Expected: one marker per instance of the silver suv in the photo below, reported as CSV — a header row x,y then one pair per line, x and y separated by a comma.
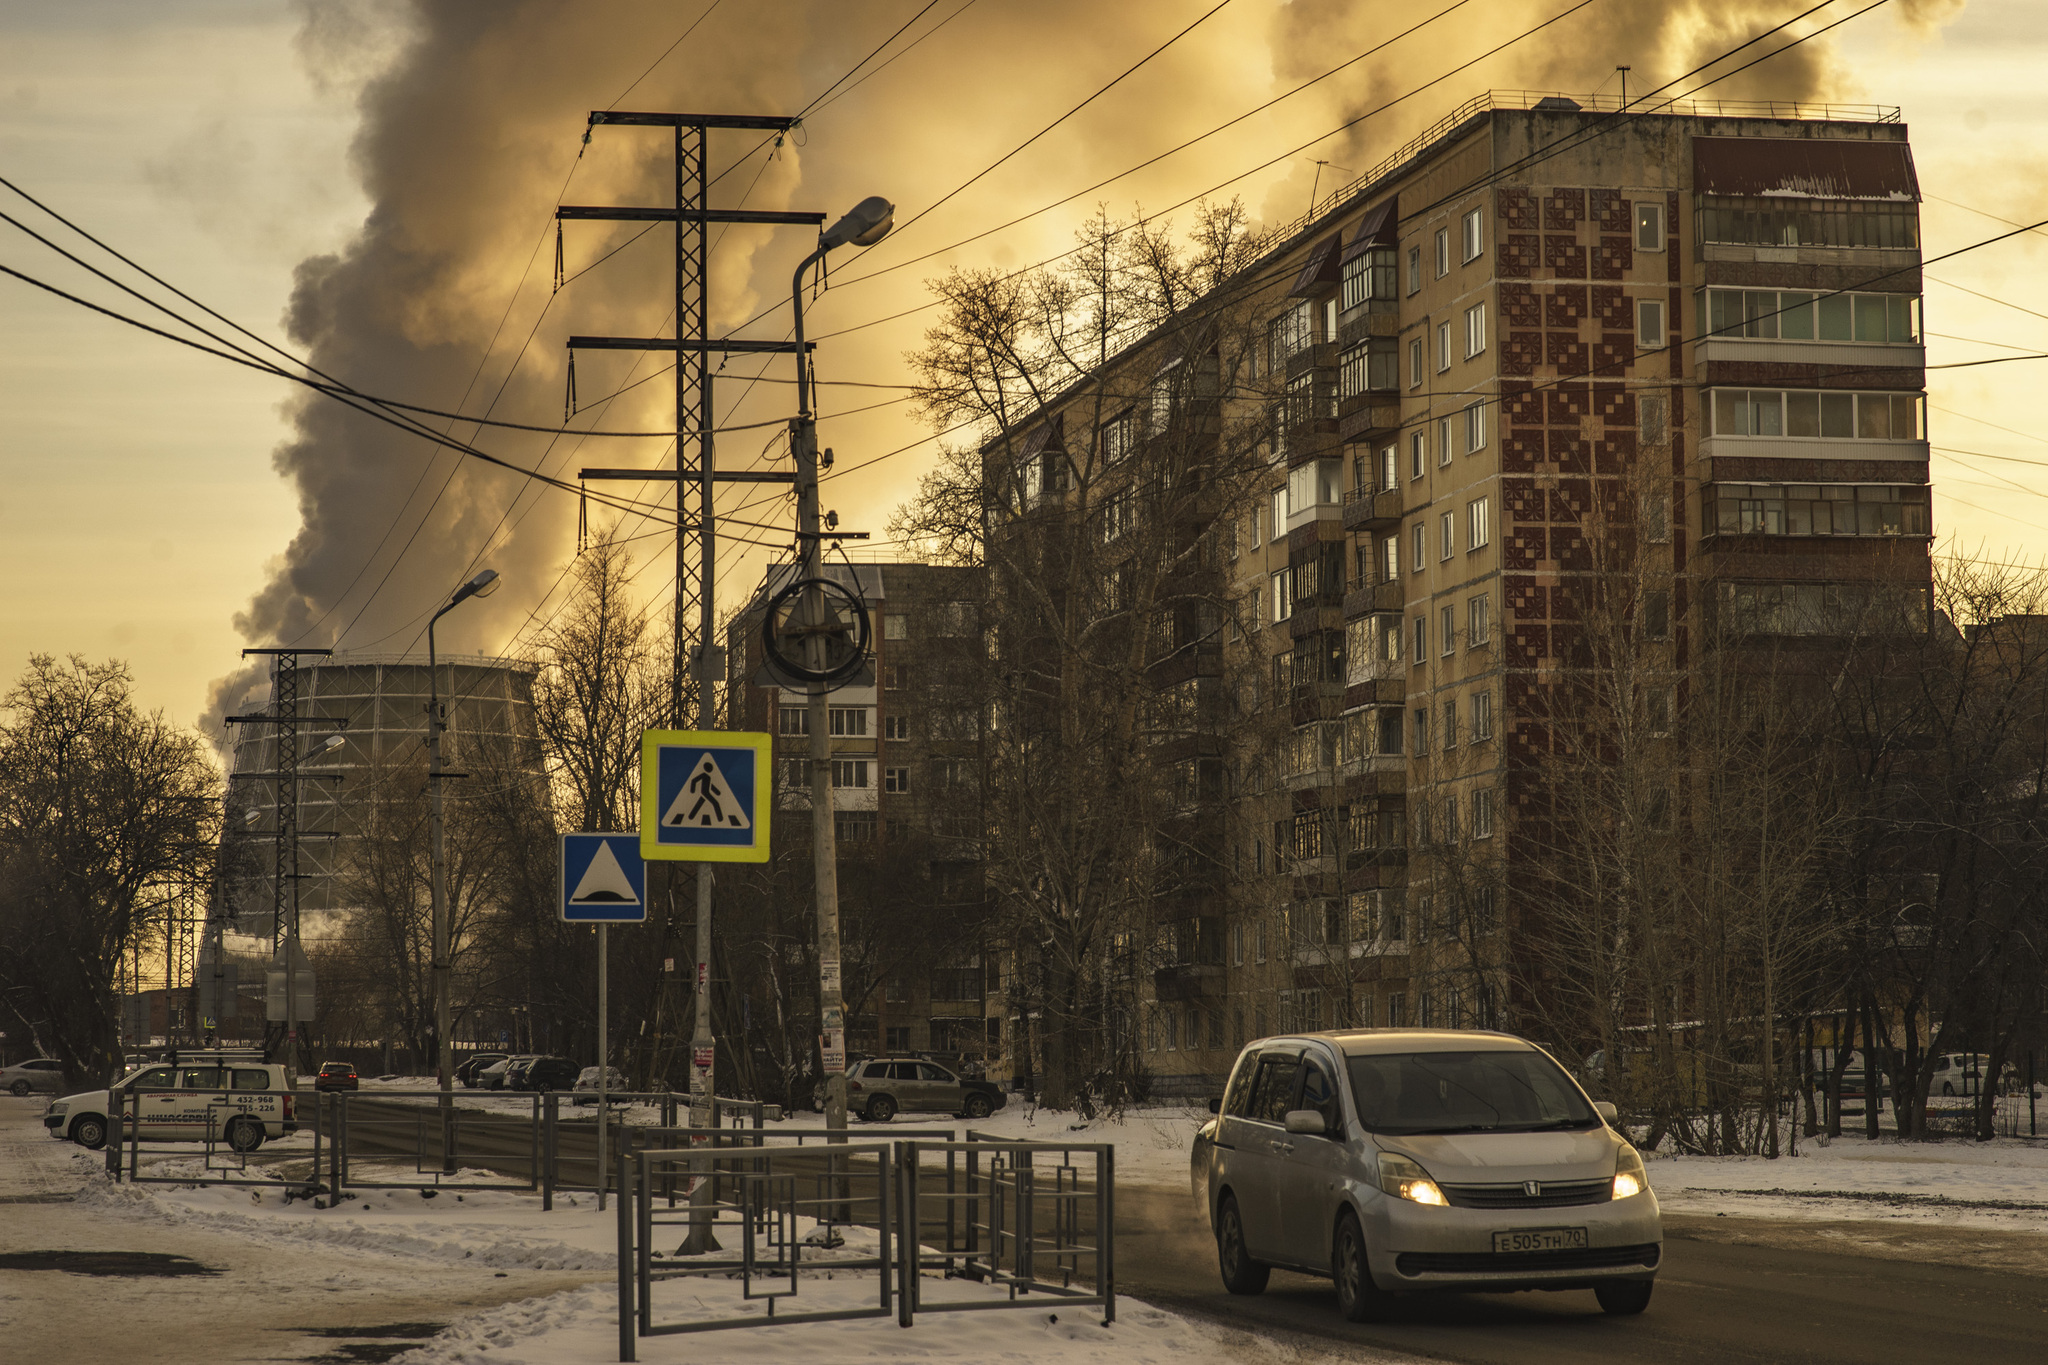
x,y
877,1090
1396,1160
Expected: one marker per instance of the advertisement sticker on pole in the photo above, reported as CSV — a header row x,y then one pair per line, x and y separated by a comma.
x,y
705,795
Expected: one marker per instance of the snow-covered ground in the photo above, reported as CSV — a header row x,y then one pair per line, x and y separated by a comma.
x,y
1997,1184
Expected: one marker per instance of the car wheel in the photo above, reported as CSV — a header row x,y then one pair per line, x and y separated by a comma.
x,y
245,1135
89,1132
1358,1298
20,1088
977,1107
881,1109
1241,1274
1624,1298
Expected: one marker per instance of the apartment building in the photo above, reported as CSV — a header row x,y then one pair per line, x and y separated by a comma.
x,y
1538,342
906,809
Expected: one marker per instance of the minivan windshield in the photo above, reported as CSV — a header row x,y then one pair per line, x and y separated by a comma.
x,y
1466,1092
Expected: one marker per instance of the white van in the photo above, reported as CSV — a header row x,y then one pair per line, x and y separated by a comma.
x,y
1959,1073
234,1097
1400,1160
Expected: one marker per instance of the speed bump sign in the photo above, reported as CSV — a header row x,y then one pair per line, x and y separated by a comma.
x,y
705,795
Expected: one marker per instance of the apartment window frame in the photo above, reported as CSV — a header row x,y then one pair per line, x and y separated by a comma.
x,y
896,727
1475,330
1479,621
1421,651
1651,333
848,722
1420,537
1447,629
1482,715
1649,225
1418,364
1482,813
1283,595
1472,235
1443,443
1418,452
1475,427
1443,346
851,774
1478,523
1447,534
1443,252
895,626
1414,269
896,781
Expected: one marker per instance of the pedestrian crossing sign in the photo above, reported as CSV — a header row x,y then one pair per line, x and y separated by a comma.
x,y
603,879
704,795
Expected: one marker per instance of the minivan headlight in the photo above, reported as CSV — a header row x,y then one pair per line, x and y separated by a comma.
x,y
1404,1179
1629,1179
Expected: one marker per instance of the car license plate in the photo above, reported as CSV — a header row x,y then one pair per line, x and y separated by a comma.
x,y
1541,1239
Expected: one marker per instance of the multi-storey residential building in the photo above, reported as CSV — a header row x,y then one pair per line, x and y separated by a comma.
x,y
1542,344
906,809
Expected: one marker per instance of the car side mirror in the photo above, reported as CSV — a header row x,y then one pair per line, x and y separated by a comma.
x,y
1608,1113
1308,1121
1215,1104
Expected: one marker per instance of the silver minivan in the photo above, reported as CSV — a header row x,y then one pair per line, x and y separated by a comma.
x,y
1399,1160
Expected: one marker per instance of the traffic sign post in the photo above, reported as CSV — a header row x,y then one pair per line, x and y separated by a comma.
x,y
704,795
604,882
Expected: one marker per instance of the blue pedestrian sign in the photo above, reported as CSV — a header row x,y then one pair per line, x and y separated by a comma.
x,y
603,879
704,795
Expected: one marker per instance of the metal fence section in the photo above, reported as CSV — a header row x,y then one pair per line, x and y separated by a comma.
x,y
1037,1218
788,1201
221,1161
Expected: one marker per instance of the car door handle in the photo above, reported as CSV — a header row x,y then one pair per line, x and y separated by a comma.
x,y
1281,1147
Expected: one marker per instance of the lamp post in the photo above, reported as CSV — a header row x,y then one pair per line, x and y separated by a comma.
x,y
483,585
865,224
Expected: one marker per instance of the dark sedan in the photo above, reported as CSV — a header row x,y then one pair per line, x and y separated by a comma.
x,y
544,1074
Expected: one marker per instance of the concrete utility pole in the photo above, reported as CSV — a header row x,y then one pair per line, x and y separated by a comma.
x,y
867,224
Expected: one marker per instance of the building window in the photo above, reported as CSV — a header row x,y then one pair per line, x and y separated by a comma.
x,y
1652,417
1482,716
1649,226
1447,630
1237,945
849,722
1801,315
895,677
1815,509
1420,536
1650,325
1448,740
795,772
1421,745
1658,704
1416,365
1397,1009
1657,517
1418,453
1475,330
1280,510
850,773
1443,346
1421,639
1390,469
1414,269
895,626
791,720
1443,252
854,826
896,727
1259,954
1657,615
1739,220
1447,534
1471,235
1478,621
1443,442
1479,523
1390,560
1475,427
1482,814
1283,601
896,781
1450,817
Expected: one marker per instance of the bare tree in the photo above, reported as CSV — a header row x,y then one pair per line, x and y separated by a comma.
x,y
103,809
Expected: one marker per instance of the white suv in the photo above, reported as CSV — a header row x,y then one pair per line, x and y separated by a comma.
x,y
1397,1160
237,1098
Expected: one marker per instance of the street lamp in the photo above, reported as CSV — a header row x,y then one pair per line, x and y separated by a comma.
x,y
865,224
483,585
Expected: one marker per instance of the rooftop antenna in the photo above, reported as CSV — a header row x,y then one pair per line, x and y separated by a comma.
x,y
1624,84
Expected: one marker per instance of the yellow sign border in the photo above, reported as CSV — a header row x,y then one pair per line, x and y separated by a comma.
x,y
652,742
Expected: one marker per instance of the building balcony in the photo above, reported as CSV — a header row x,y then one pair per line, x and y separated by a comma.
x,y
1188,981
1367,510
1364,601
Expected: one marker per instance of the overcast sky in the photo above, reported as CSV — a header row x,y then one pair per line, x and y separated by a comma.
x,y
145,504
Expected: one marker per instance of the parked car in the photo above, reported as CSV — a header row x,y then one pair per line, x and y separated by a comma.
x,y
474,1064
585,1089
234,1096
1854,1075
877,1090
1959,1073
498,1075
25,1078
544,1074
336,1076
1397,1160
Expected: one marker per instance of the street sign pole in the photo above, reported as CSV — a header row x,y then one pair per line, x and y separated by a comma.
x,y
603,1058
604,882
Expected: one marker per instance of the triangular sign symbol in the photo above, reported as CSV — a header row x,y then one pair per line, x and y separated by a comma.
x,y
706,801
604,882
